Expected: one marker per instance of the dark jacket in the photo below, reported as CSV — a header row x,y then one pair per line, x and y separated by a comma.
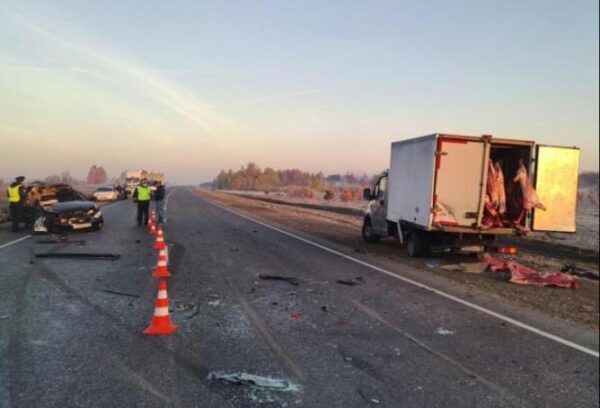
x,y
159,194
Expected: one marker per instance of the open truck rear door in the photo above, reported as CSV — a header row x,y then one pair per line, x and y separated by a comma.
x,y
460,174
556,179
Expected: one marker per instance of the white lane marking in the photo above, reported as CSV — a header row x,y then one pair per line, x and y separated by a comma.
x,y
466,303
16,241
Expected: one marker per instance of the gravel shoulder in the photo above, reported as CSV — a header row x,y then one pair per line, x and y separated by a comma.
x,y
580,307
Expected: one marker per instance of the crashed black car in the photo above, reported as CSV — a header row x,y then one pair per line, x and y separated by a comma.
x,y
64,209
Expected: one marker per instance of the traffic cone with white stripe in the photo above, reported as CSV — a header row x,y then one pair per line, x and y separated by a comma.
x,y
160,240
161,270
161,321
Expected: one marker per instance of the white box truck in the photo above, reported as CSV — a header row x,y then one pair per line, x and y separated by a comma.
x,y
434,194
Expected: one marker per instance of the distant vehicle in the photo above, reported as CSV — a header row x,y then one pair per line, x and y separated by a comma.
x,y
63,209
133,178
106,194
435,194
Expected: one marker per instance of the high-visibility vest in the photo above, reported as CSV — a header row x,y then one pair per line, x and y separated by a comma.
x,y
143,193
14,195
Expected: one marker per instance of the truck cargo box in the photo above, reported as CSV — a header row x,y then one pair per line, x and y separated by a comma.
x,y
438,183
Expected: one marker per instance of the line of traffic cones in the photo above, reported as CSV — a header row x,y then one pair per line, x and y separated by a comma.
x,y
161,321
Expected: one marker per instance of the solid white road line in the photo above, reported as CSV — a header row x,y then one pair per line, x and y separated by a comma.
x,y
456,299
16,241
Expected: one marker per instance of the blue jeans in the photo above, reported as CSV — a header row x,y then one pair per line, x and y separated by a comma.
x,y
160,209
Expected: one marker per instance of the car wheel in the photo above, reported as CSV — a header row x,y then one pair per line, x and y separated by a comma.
x,y
417,244
368,234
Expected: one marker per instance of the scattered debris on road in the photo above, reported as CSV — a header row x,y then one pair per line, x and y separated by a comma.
x,y
77,255
324,308
573,270
214,303
291,280
443,331
432,263
4,317
297,316
60,240
114,292
351,282
523,275
255,381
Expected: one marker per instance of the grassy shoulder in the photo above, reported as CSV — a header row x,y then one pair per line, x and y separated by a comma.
x,y
576,306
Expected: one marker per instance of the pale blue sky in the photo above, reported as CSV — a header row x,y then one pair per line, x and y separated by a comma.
x,y
317,85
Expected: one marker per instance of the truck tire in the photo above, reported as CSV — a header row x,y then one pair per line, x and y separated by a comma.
x,y
417,244
368,234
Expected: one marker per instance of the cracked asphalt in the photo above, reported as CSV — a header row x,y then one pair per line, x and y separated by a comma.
x,y
71,330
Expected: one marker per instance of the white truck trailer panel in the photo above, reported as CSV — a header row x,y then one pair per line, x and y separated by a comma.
x,y
461,168
411,180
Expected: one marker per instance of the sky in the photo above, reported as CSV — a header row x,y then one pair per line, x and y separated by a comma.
x,y
192,87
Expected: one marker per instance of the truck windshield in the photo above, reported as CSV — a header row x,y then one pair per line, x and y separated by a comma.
x,y
381,187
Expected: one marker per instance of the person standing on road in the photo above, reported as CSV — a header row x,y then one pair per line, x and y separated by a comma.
x,y
142,196
159,198
16,200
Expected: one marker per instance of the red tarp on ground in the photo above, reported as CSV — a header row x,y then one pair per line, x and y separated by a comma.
x,y
523,275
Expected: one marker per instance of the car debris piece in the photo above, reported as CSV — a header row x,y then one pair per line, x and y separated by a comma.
x,y
432,263
297,316
255,381
351,282
60,241
442,331
573,270
76,255
291,280
114,292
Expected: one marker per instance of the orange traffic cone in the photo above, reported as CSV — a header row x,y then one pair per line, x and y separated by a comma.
x,y
152,228
160,240
161,322
161,270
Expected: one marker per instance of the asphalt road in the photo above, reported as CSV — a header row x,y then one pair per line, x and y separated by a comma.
x,y
70,330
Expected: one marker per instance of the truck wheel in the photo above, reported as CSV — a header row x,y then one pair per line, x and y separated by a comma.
x,y
368,234
417,244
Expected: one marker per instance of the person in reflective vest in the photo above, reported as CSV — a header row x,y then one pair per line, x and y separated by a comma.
x,y
16,199
142,196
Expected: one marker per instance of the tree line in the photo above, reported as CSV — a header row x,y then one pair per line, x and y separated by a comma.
x,y
252,178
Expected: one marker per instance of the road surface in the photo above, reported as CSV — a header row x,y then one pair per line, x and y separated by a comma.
x,y
70,330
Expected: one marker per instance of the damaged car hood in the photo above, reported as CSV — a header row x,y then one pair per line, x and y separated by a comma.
x,y
71,206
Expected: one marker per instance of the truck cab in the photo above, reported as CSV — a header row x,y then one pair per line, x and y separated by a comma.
x,y
375,224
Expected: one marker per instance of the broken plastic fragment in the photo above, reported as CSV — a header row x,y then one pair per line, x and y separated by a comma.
x,y
443,331
255,381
